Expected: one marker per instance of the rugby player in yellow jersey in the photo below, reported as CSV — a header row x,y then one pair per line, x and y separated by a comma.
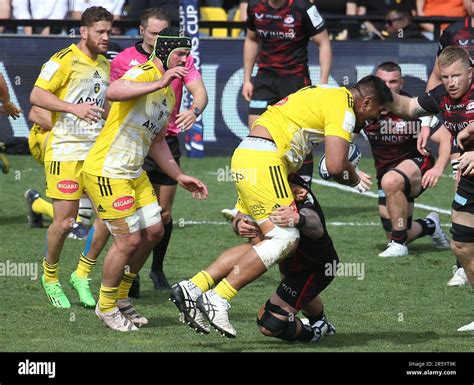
x,y
120,190
72,85
276,146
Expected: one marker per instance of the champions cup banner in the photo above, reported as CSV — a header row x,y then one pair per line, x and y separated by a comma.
x,y
189,22
225,118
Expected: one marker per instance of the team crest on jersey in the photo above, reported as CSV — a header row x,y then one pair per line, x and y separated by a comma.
x,y
67,186
470,106
96,88
123,203
289,19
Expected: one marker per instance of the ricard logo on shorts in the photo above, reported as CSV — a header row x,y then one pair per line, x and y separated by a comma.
x,y
67,186
123,203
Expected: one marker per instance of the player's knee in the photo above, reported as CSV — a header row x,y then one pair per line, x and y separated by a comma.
x,y
155,233
279,243
271,325
392,183
63,225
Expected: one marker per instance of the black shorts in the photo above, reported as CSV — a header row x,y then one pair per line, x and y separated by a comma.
x,y
464,197
423,162
301,286
270,88
155,174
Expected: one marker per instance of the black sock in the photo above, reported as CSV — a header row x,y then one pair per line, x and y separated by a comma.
x,y
313,319
428,227
160,250
399,236
458,264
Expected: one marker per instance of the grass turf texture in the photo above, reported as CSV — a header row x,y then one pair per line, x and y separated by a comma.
x,y
401,305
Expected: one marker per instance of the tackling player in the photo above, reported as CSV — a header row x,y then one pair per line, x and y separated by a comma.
x,y
276,146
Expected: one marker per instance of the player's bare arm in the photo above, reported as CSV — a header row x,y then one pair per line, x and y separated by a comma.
x,y
122,89
339,166
8,108
325,55
406,107
310,226
186,119
87,111
443,138
161,154
466,136
41,117
250,56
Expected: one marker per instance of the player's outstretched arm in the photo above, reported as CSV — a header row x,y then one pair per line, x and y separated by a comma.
x,y
406,107
8,108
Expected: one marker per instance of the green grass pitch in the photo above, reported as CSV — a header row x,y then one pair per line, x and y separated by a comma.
x,y
400,305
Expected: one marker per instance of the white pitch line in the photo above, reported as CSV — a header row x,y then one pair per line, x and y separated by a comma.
x,y
336,223
374,195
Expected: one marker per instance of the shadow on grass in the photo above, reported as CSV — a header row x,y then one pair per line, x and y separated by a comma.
x,y
19,219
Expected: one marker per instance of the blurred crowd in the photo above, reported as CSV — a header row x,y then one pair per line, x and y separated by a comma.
x,y
398,15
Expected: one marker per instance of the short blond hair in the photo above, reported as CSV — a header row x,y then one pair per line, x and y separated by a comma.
x,y
452,54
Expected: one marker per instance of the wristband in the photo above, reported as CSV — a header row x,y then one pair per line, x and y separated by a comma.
x,y
426,120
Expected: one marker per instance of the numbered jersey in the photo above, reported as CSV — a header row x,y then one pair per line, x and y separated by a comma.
x,y
305,118
130,128
75,78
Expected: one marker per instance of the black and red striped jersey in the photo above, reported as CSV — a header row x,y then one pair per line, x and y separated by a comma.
x,y
457,113
459,33
392,140
284,34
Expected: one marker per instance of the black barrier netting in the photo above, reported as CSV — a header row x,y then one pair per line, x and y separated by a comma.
x,y
225,119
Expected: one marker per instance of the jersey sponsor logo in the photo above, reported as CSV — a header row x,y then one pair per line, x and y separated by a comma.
x,y
98,102
289,19
290,35
463,43
67,186
96,75
133,63
123,203
259,16
257,210
100,209
289,290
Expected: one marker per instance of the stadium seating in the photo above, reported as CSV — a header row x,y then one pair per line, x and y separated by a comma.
x,y
213,14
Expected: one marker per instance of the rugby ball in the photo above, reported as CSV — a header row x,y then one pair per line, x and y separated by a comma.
x,y
354,155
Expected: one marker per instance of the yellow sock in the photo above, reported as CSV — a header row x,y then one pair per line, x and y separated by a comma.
x,y
107,298
225,290
203,280
84,267
51,271
125,285
40,206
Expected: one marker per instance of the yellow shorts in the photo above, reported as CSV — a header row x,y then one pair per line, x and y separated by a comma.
x,y
260,177
118,198
37,141
64,179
